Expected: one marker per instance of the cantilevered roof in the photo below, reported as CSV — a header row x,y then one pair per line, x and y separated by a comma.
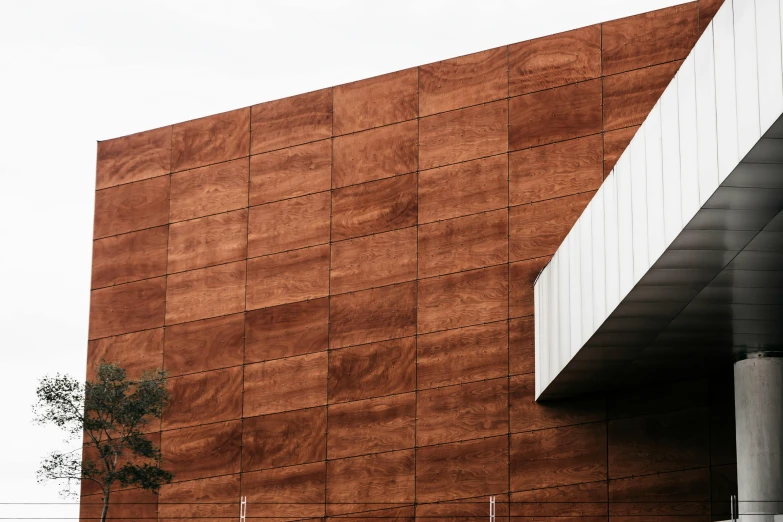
x,y
679,256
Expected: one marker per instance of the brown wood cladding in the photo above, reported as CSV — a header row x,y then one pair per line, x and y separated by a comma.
x,y
133,158
135,352
291,121
707,10
129,257
615,143
211,240
204,345
284,439
288,277
664,494
586,501
291,172
383,477
209,190
127,308
135,206
285,384
287,330
204,398
523,276
203,451
296,492
521,343
213,497
289,224
207,292
213,139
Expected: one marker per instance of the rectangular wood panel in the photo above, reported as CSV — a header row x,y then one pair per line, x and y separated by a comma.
x,y
133,158
129,257
615,143
521,342
213,497
284,439
663,494
207,292
135,206
202,451
127,308
288,173
285,384
135,352
291,121
288,277
522,277
287,330
204,345
295,492
213,139
383,477
289,224
209,190
203,398
630,96
586,501
207,241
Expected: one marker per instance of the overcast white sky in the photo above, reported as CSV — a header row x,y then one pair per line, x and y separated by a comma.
x,y
72,73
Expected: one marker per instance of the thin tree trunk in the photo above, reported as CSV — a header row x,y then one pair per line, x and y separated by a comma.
x,y
105,504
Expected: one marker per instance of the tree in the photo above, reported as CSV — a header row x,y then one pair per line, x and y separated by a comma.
x,y
109,415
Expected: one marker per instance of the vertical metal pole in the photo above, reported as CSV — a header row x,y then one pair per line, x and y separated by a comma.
x,y
243,509
492,509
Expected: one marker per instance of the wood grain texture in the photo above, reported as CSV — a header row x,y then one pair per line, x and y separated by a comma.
x,y
207,292
521,341
615,143
285,384
465,188
526,414
376,154
629,97
383,477
207,241
558,456
376,260
463,243
707,10
213,497
291,172
659,443
681,493
204,345
554,115
284,439
462,355
376,101
127,308
287,330
522,277
555,170
472,509
463,135
465,411
209,190
460,82
91,452
291,121
129,257
372,426
130,504
295,492
462,469
135,352
372,315
374,207
202,451
372,370
578,500
555,60
650,38
216,138
289,224
204,398
288,277
464,299
133,158
135,206
538,229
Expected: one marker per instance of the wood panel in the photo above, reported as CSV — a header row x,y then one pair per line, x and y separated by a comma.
x,y
374,207
383,477
465,411
134,352
376,101
213,139
462,469
291,121
207,241
213,497
554,115
464,299
376,154
463,355
629,97
204,345
130,504
615,143
89,487
372,315
372,370
289,224
465,188
295,492
521,341
555,170
203,398
523,276
133,158
288,277
538,229
463,135
472,509
287,330
558,456
664,398
553,61
202,451
135,206
207,292
679,494
209,190
372,426
464,243
585,501
659,443
650,38
707,11
129,257
285,384
127,308
377,260
288,173
284,439
460,82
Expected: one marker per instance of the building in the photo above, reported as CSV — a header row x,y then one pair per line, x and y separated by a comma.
x,y
355,293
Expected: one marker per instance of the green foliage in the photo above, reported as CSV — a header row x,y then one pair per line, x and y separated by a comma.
x,y
110,414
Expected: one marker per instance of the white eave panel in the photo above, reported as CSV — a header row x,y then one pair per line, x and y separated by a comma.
x,y
611,257
622,174
638,175
706,130
572,249
670,155
599,260
725,91
585,225
768,39
654,159
747,75
689,157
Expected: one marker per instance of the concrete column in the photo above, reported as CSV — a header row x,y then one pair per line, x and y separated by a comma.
x,y
758,407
